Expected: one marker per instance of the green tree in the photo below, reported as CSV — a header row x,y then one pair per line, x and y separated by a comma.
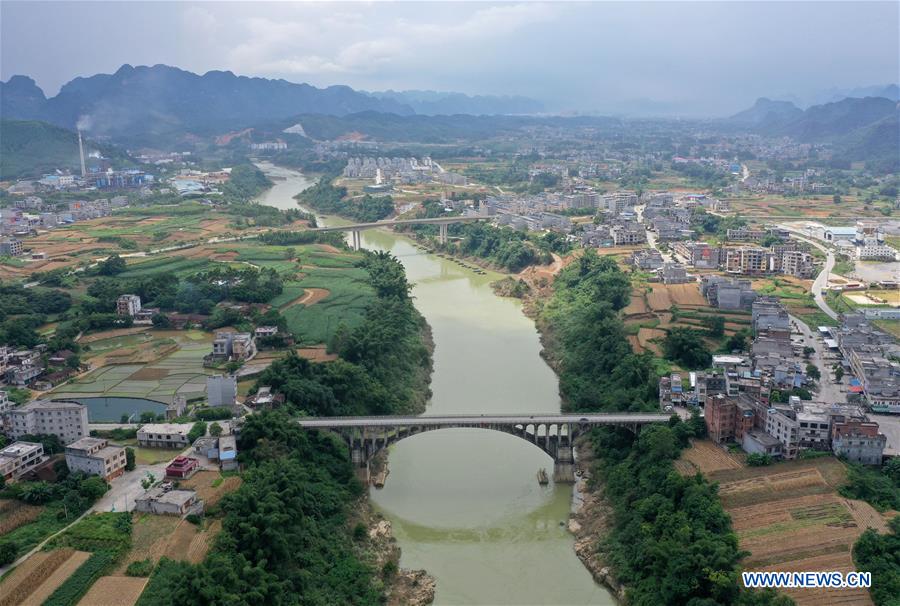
x,y
715,326
129,458
812,371
8,552
111,266
686,347
215,430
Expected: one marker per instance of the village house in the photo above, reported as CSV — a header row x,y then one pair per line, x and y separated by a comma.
x,y
18,458
66,420
164,435
96,457
161,501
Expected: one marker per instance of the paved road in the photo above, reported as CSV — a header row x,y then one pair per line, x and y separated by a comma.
x,y
127,487
828,391
474,420
394,223
821,280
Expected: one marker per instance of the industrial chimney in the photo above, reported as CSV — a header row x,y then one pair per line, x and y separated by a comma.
x,y
81,153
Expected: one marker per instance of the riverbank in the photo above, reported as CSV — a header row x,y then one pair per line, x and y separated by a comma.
x,y
590,521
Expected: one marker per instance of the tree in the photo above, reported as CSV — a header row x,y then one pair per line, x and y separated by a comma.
x,y
836,198
759,459
160,320
838,373
812,371
148,481
197,431
129,458
716,326
8,552
111,266
215,430
808,351
686,346
123,418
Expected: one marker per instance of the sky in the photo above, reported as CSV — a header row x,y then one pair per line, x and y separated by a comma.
x,y
679,58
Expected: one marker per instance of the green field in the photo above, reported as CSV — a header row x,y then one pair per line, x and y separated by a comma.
x,y
349,294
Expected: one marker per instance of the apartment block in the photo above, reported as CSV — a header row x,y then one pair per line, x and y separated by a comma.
x,y
66,420
96,457
18,458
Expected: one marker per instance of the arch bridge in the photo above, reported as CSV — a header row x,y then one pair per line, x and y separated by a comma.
x,y
555,434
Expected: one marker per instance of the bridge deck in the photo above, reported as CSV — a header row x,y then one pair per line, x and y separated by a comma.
x,y
392,223
461,420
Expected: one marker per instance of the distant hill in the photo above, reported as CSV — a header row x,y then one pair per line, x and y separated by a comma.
x,y
432,103
161,99
31,149
860,129
766,112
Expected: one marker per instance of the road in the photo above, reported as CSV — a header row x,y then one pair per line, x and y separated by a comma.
x,y
473,420
127,487
821,280
651,235
828,391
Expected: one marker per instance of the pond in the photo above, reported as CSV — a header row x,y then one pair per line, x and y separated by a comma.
x,y
110,410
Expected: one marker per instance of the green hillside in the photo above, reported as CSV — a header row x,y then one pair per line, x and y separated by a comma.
x,y
31,148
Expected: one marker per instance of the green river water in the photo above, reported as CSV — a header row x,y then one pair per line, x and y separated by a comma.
x,y
465,504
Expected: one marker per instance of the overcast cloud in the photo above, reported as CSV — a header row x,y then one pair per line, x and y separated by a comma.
x,y
702,58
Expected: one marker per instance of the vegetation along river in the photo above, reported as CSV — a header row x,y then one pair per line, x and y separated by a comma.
x,y
465,504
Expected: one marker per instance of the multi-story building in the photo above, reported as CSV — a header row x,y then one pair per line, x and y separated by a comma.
x,y
781,424
699,254
647,259
627,234
874,251
66,420
858,441
10,247
726,293
128,305
749,260
164,435
96,457
18,458
221,390
798,263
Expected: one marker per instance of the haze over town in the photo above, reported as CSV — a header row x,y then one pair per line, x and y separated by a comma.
x,y
659,58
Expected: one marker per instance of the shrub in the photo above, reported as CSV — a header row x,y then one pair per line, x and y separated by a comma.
x,y
140,568
759,459
8,552
194,519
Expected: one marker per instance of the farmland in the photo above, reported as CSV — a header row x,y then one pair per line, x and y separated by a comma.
x,y
789,516
120,590
36,579
818,207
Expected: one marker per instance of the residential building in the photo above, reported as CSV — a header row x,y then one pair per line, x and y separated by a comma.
x,y
798,263
228,453
699,255
757,441
164,435
749,260
128,305
628,234
744,234
783,426
674,273
66,420
161,501
18,458
96,457
10,247
873,251
859,442
726,293
647,259
221,390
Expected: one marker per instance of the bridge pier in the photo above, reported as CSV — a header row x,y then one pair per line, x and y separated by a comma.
x,y
355,239
564,465
442,233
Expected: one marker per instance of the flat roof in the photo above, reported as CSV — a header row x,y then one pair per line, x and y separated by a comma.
x,y
179,428
17,449
86,443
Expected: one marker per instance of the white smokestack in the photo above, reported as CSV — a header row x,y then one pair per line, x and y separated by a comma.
x,y
81,153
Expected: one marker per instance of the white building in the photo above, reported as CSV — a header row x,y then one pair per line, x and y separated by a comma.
x,y
95,457
19,457
128,305
873,251
66,420
221,390
164,435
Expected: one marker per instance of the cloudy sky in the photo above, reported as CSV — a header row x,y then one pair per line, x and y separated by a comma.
x,y
700,58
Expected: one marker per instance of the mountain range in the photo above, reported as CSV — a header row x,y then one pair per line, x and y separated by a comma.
x,y
163,99
433,103
861,129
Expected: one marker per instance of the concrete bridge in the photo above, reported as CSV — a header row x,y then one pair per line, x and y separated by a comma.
x,y
441,222
555,434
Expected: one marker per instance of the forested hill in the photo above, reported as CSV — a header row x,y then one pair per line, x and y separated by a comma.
x,y
160,99
30,148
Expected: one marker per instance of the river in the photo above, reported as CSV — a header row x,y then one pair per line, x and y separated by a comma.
x,y
465,504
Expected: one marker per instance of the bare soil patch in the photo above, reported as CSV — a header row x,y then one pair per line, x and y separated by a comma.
x,y
203,481
310,296
686,295
706,457
56,578
149,374
659,299
645,335
316,353
109,334
114,590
